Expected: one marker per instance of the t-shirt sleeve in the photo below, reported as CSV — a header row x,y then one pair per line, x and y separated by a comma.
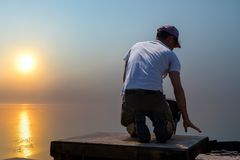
x,y
127,55
174,63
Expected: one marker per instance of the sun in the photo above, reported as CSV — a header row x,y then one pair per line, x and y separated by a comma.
x,y
26,63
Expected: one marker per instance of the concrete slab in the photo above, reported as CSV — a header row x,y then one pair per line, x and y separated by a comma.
x,y
113,146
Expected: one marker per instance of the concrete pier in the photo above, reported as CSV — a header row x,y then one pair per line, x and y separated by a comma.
x,y
119,146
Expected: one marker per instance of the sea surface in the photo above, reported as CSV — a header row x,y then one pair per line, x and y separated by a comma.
x,y
26,130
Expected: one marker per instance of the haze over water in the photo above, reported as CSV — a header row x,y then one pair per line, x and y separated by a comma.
x,y
67,56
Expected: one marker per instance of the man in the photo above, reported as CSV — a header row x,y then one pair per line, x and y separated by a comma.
x,y
146,64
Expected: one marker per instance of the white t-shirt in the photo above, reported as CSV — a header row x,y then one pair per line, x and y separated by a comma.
x,y
148,63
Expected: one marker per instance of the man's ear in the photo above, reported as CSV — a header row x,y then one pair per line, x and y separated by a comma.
x,y
169,40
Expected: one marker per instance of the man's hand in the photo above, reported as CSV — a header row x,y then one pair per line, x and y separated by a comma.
x,y
188,123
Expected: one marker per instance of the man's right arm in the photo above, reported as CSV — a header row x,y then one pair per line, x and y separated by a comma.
x,y
181,100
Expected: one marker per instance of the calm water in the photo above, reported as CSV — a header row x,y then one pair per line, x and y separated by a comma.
x,y
27,130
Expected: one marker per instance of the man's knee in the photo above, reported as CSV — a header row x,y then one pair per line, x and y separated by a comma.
x,y
127,114
126,118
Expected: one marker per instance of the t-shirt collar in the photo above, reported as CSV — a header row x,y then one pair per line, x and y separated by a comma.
x,y
161,43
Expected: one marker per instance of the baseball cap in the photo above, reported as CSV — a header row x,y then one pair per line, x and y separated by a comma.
x,y
171,30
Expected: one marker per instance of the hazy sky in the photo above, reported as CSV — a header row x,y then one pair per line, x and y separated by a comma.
x,y
79,47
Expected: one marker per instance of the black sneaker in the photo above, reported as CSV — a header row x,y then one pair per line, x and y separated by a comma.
x,y
161,133
143,132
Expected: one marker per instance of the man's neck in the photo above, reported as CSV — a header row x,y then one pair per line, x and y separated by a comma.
x,y
165,43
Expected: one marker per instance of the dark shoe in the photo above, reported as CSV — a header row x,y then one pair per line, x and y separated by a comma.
x,y
160,128
143,132
131,129
161,134
176,113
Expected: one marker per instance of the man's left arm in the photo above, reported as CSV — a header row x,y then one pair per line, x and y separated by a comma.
x,y
124,73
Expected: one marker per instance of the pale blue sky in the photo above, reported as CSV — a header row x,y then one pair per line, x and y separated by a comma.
x,y
83,43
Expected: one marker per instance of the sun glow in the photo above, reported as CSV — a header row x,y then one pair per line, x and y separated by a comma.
x,y
26,63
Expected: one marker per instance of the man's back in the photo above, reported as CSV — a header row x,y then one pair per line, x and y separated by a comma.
x,y
147,63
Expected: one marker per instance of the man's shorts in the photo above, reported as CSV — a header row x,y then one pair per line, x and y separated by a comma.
x,y
148,104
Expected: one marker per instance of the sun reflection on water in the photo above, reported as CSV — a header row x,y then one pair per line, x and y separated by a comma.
x,y
24,142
